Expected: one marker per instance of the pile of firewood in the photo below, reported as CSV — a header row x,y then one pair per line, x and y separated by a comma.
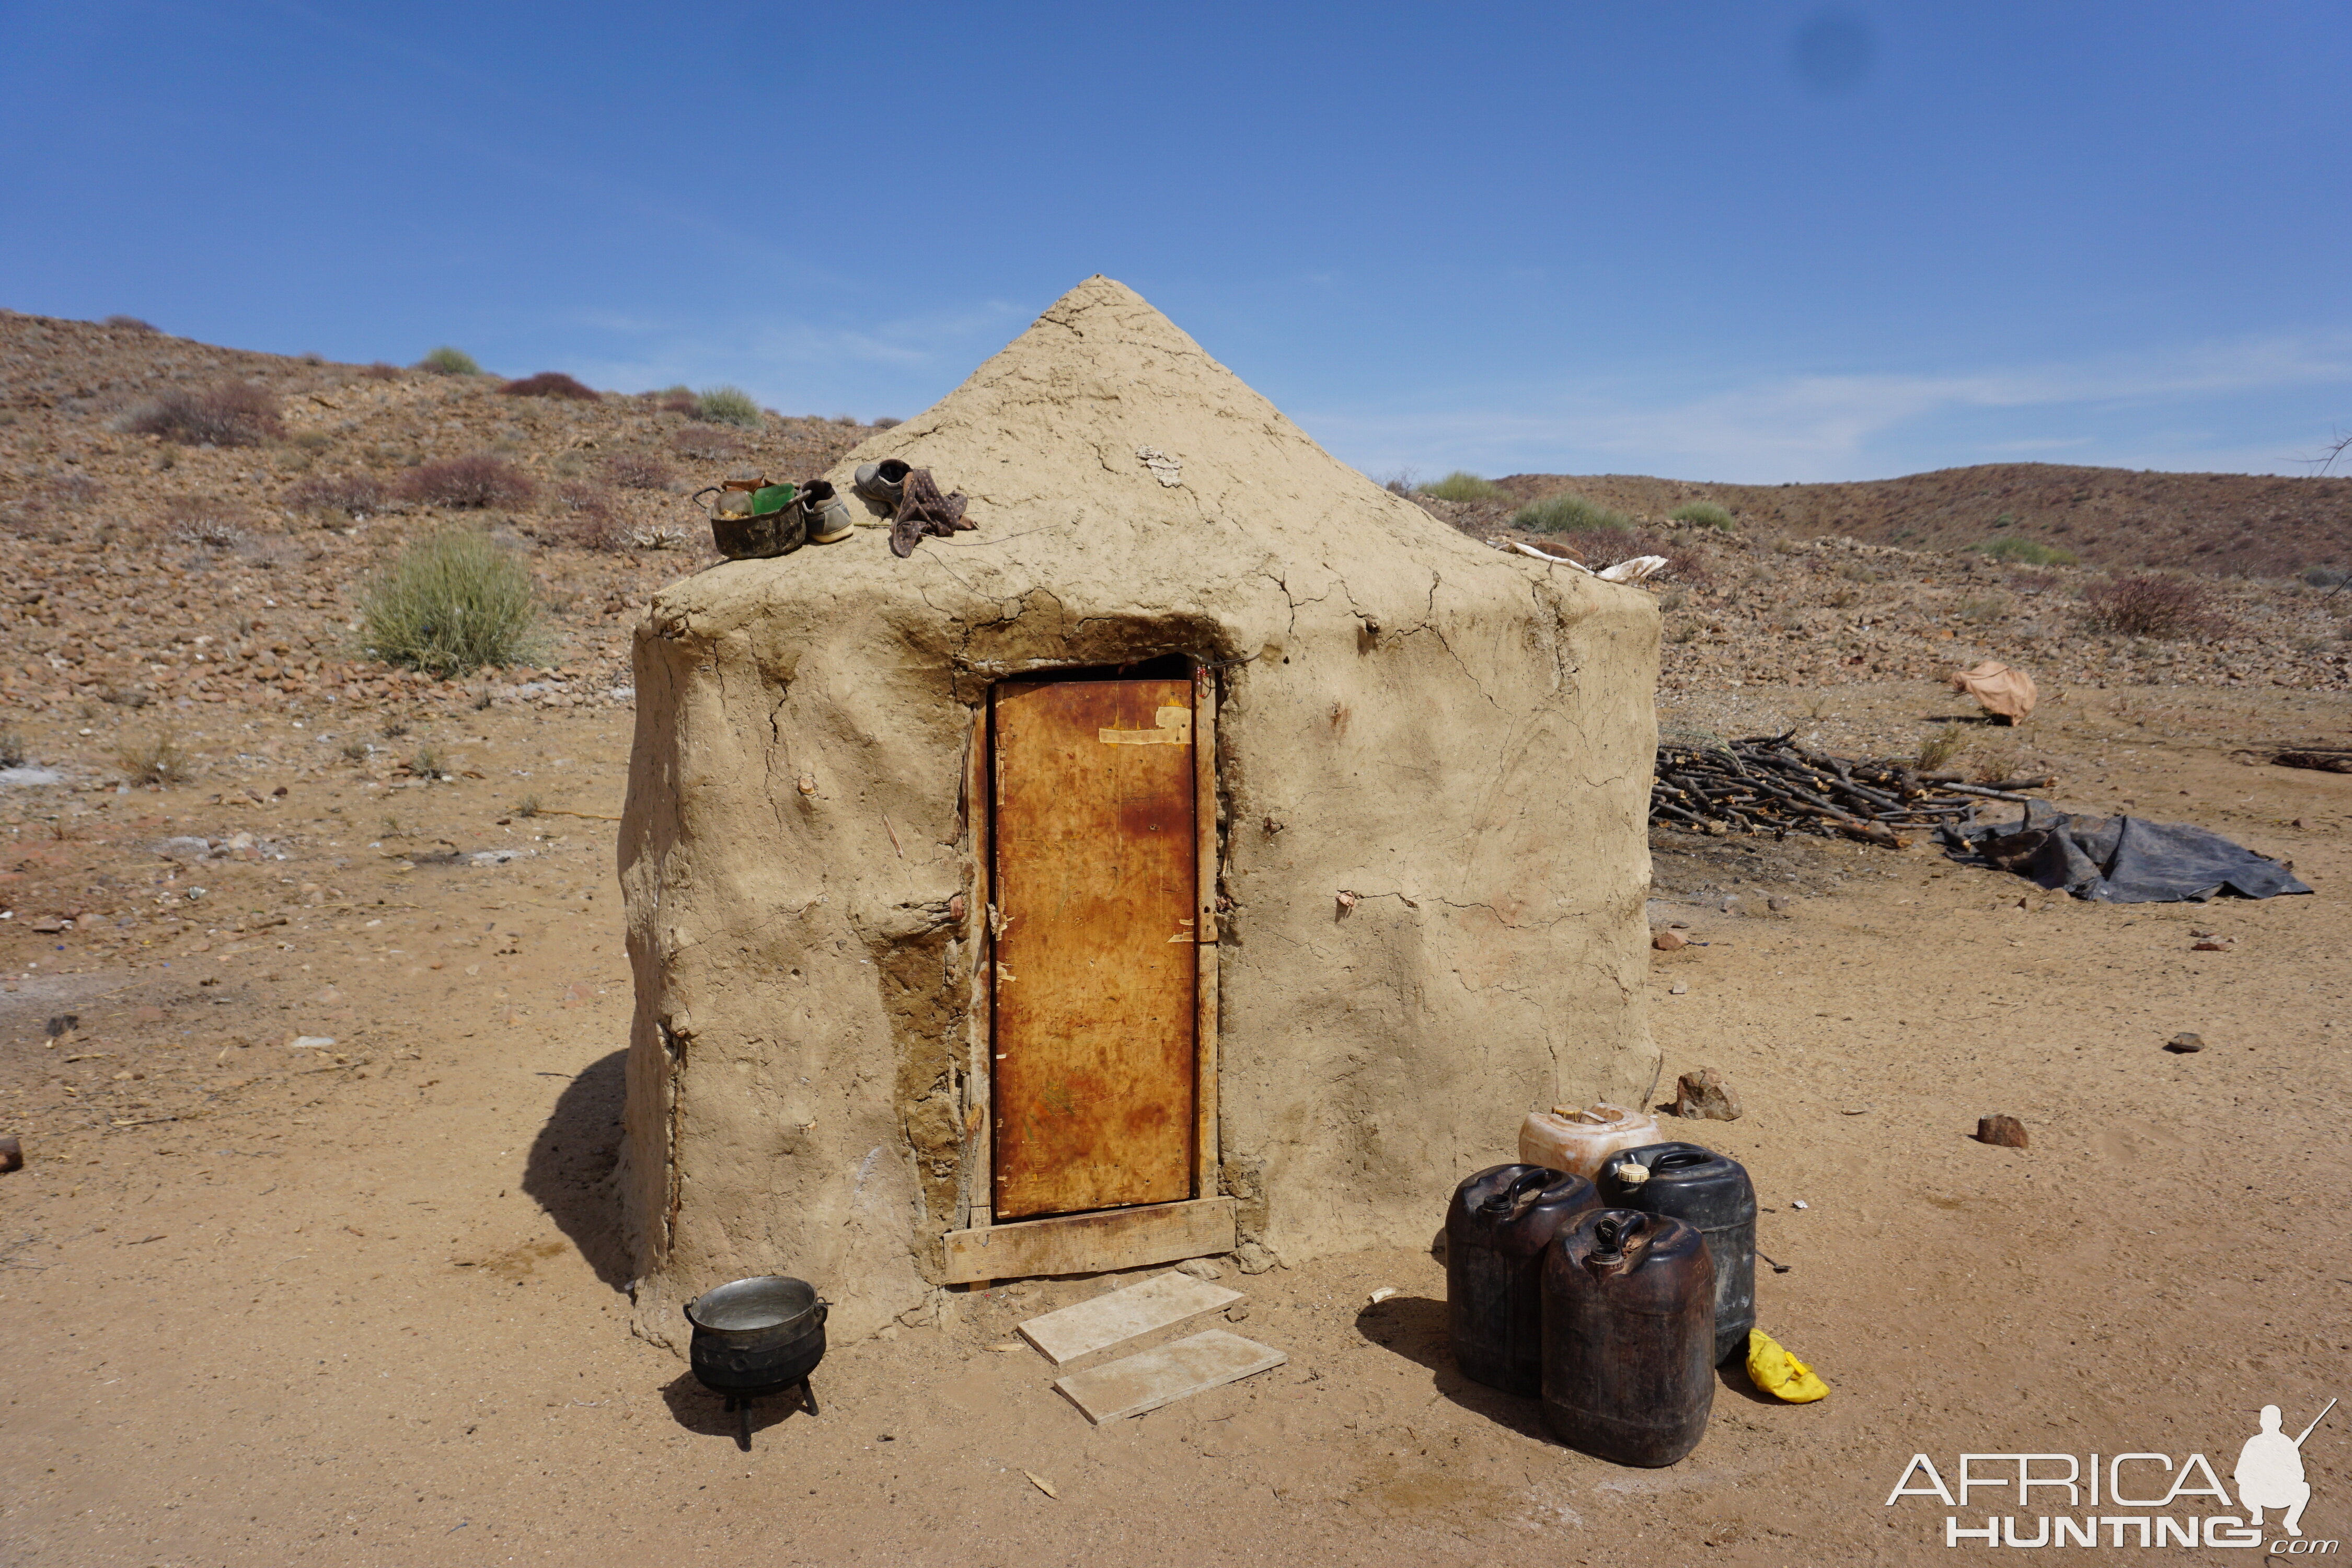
x,y
1765,784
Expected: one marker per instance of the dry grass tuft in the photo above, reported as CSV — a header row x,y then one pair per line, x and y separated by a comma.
x,y
446,360
1461,485
1941,747
452,603
1569,513
155,759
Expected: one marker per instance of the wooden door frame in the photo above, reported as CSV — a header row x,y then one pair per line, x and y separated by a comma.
x,y
1110,1238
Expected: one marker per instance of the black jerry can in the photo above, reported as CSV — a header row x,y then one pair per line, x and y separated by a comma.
x,y
1497,1228
1628,1336
1712,1192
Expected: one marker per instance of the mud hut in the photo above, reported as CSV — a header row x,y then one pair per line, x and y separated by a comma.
x,y
1210,852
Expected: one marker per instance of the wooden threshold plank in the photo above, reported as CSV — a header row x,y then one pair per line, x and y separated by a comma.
x,y
1146,1382
1159,1302
1090,1243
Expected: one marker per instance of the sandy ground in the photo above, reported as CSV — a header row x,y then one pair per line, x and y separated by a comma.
x,y
362,1302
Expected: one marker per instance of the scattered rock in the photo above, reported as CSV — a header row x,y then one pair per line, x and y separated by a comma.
x,y
2208,946
1703,1096
49,925
1238,1312
1251,1257
1669,940
2007,1131
1199,1268
2183,1045
1679,988
1777,906
11,1155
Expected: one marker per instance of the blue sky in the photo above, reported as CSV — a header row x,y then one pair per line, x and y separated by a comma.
x,y
1749,241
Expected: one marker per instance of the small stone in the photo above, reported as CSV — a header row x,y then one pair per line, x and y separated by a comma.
x,y
1251,1257
12,1154
1199,1268
1703,1096
1679,988
1776,905
2007,1131
2208,946
1669,940
1237,1312
2183,1045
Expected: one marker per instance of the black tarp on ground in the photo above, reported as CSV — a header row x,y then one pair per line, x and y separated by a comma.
x,y
2119,859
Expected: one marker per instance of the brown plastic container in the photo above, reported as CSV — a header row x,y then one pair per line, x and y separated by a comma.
x,y
1628,1336
1497,1228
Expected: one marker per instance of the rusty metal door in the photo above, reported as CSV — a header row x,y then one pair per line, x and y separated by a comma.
x,y
1096,954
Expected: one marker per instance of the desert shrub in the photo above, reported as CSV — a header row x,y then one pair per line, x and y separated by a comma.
x,y
155,759
551,383
1704,513
380,371
2326,577
12,750
206,519
128,324
1984,611
472,481
76,489
446,360
230,413
2025,551
1569,513
727,405
1461,485
887,423
452,603
675,400
636,472
2147,606
706,442
354,493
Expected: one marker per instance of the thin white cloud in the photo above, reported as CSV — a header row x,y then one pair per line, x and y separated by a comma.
x,y
1840,427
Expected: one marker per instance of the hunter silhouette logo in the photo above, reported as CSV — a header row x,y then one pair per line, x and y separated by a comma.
x,y
2269,1471
2137,1499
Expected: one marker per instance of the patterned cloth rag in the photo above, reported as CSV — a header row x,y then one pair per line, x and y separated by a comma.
x,y
924,512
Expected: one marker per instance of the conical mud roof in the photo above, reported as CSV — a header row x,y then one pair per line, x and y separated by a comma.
x,y
1114,468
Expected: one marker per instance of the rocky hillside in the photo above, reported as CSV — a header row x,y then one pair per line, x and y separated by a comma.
x,y
190,524
2226,524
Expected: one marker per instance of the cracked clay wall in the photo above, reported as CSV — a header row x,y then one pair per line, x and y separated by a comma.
x,y
1458,737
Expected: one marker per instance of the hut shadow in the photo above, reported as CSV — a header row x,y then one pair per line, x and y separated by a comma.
x,y
705,1413
569,1170
1413,1327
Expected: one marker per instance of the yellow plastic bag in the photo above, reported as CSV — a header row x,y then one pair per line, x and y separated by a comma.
x,y
1778,1374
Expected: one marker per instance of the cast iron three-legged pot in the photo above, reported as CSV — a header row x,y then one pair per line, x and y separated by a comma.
x,y
756,1337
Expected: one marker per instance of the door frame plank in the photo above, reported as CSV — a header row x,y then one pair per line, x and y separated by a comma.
x,y
979,1074
1204,989
1093,1243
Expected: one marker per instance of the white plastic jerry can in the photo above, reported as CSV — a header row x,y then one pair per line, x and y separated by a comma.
x,y
1567,1139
